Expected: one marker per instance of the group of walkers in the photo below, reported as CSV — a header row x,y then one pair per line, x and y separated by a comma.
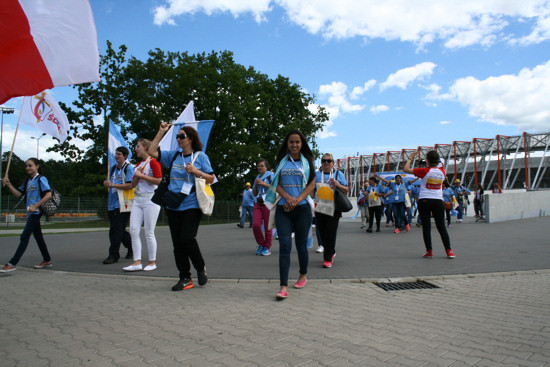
x,y
281,200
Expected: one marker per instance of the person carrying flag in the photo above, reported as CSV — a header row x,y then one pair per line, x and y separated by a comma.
x,y
121,175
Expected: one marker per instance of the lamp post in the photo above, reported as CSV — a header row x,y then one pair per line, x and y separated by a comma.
x,y
38,143
7,111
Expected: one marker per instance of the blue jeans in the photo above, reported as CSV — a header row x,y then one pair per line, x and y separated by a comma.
x,y
244,210
399,214
298,220
32,227
460,209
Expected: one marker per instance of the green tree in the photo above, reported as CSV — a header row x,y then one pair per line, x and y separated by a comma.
x,y
252,112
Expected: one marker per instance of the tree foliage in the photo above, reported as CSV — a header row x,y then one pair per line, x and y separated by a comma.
x,y
252,112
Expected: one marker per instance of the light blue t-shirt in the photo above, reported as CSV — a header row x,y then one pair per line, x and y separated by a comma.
x,y
291,179
248,198
399,192
116,178
387,199
179,177
267,178
337,175
447,193
33,191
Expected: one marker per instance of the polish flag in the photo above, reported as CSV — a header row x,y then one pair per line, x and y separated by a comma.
x,y
46,43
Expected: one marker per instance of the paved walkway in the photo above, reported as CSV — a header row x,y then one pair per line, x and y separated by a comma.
x,y
495,317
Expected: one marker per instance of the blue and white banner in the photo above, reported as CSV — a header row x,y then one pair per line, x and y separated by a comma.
x,y
390,176
187,118
115,140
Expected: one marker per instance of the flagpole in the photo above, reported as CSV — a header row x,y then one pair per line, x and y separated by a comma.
x,y
107,126
12,146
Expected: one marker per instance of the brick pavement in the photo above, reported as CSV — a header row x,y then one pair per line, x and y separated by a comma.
x,y
53,318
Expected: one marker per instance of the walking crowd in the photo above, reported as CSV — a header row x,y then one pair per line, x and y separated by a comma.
x,y
286,203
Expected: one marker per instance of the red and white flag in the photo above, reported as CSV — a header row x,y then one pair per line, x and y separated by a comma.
x,y
42,112
45,44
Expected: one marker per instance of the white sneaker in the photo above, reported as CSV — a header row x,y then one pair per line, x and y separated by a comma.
x,y
150,267
292,234
133,268
320,249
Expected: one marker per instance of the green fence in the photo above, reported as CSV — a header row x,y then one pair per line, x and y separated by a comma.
x,y
75,212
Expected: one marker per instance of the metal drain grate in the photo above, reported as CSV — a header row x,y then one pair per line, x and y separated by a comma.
x,y
406,286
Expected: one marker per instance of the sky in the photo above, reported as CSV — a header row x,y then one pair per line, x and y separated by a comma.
x,y
392,74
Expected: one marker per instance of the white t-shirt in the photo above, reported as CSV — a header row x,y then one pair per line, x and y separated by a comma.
x,y
431,183
153,170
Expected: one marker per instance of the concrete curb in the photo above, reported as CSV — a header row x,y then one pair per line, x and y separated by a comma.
x,y
273,280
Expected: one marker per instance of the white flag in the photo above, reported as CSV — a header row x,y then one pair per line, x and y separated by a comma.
x,y
187,117
42,112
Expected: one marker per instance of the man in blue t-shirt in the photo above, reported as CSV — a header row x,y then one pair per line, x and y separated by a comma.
x,y
248,205
459,192
121,175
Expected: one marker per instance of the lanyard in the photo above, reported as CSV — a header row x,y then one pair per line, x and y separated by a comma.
x,y
185,164
31,181
323,176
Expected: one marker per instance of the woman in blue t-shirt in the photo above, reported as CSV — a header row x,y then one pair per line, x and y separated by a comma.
x,y
294,181
328,225
37,191
448,196
183,211
261,213
397,193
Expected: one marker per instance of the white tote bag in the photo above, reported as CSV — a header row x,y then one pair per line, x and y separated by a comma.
x,y
125,197
324,198
272,212
205,195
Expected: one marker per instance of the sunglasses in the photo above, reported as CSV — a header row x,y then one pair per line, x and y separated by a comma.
x,y
181,136
326,160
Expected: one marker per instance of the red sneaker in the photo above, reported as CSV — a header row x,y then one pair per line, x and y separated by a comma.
x,y
408,227
282,295
429,254
327,264
397,230
450,254
300,283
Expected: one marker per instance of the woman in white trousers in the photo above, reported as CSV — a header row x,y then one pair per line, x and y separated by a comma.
x,y
146,179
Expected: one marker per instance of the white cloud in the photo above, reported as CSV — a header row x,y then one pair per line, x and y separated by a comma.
x,y
379,108
174,8
359,91
338,98
337,102
518,100
445,122
457,23
403,77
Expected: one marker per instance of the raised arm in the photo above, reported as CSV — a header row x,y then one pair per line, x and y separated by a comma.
x,y
382,179
407,168
163,128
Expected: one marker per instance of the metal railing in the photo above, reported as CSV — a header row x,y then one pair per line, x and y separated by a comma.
x,y
83,211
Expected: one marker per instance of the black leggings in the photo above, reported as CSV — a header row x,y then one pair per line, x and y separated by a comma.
x,y
426,208
184,226
375,212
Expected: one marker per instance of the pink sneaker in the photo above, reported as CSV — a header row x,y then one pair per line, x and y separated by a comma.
x,y
429,254
450,254
397,230
7,268
408,227
300,283
282,295
327,264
